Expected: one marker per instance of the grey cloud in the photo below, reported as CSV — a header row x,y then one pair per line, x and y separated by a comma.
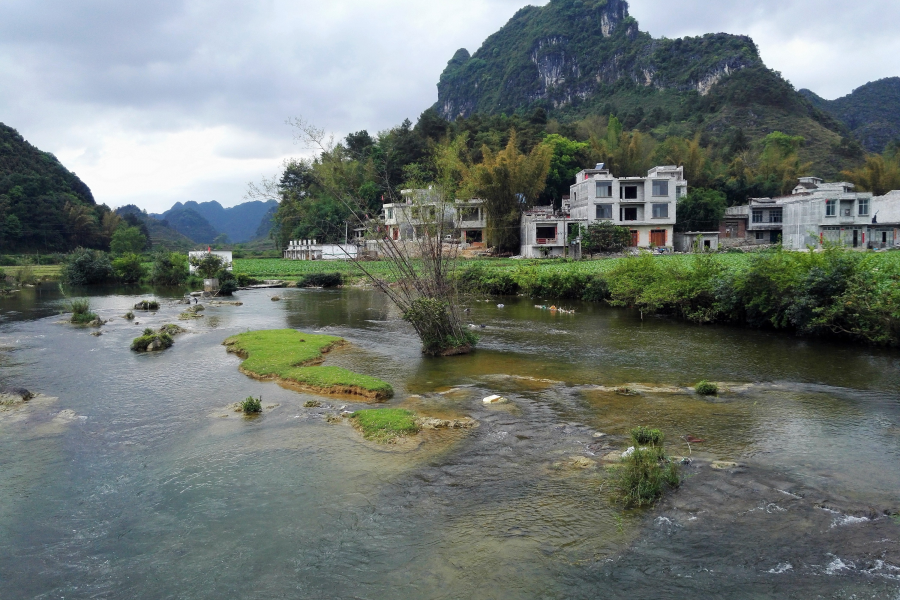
x,y
75,70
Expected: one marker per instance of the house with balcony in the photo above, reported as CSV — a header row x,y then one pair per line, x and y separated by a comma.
x,y
646,205
464,220
549,233
816,212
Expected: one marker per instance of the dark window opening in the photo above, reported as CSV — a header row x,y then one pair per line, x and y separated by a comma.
x,y
546,234
604,211
629,213
474,237
629,192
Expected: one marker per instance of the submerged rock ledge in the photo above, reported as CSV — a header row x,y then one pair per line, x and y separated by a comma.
x,y
292,359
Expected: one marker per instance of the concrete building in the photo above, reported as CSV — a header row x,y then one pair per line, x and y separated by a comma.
x,y
758,222
817,212
646,205
408,220
545,233
690,241
311,250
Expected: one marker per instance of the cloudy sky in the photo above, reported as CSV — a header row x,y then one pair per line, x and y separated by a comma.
x,y
173,100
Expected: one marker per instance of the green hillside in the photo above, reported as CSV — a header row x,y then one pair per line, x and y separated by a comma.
x,y
43,205
871,112
578,58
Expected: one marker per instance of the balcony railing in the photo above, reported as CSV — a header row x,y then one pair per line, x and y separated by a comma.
x,y
545,241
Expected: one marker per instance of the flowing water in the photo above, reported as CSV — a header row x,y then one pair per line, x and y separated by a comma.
x,y
130,478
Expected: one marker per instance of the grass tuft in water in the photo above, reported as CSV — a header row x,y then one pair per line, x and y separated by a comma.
x,y
385,425
646,473
705,388
81,311
251,405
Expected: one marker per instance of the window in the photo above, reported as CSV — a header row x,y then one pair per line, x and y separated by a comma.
x,y
545,234
863,207
661,188
469,214
760,235
660,211
629,213
775,215
390,213
574,196
679,192
757,215
604,189
830,208
604,211
628,192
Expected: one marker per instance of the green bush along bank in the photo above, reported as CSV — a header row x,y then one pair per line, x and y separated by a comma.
x,y
833,293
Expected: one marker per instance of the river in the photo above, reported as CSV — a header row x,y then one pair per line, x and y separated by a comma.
x,y
130,478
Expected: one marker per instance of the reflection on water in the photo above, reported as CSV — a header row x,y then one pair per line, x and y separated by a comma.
x,y
145,490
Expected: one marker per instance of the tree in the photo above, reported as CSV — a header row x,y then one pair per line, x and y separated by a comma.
x,y
567,158
128,268
604,236
879,175
700,210
127,240
169,268
509,181
207,265
87,267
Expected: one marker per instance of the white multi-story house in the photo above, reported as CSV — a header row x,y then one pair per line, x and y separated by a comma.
x,y
407,220
645,205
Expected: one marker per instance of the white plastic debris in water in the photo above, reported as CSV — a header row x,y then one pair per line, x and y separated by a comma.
x,y
628,452
494,399
501,306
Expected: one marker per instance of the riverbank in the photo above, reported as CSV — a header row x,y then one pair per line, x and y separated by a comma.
x,y
836,293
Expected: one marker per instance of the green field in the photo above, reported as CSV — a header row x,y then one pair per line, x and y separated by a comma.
x,y
276,268
40,271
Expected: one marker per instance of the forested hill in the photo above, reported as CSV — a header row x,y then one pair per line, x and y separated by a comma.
x,y
872,112
43,205
578,58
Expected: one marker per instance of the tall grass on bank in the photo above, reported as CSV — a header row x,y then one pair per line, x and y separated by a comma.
x,y
833,293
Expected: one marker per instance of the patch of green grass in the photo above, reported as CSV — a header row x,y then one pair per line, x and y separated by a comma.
x,y
251,405
644,436
384,425
291,355
705,388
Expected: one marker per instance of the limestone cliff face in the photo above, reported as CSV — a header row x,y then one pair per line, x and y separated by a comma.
x,y
573,50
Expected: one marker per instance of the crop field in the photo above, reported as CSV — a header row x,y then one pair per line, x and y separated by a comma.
x,y
40,271
276,268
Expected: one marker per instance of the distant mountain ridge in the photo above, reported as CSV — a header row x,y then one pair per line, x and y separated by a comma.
x,y
203,222
871,112
162,235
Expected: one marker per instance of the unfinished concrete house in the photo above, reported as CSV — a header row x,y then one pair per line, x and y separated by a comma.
x,y
646,205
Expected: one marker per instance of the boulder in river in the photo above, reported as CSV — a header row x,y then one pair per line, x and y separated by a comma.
x,y
495,399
